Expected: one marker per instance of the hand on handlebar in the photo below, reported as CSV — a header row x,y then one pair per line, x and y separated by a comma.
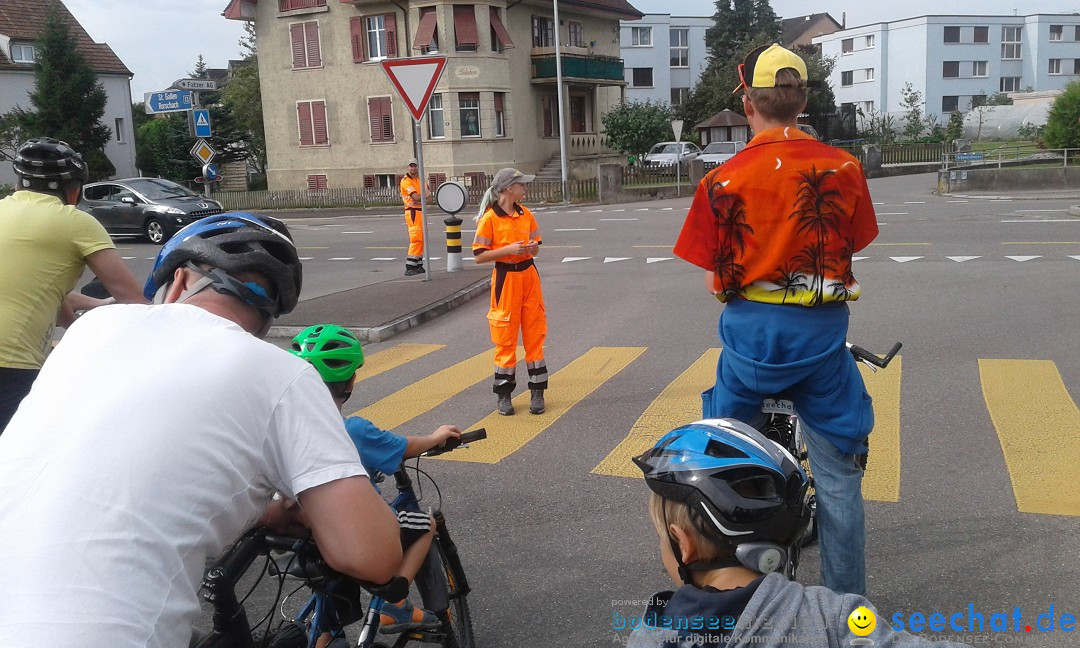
x,y
444,433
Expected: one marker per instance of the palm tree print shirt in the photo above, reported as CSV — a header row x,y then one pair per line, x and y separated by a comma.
x,y
779,222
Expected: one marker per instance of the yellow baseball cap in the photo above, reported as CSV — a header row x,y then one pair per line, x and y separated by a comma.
x,y
761,65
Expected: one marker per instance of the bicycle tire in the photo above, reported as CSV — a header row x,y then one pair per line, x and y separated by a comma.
x,y
456,620
289,635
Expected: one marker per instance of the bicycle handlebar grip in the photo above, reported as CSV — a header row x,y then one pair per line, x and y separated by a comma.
x,y
453,444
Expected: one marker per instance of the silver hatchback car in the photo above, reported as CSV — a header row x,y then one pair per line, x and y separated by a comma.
x,y
150,207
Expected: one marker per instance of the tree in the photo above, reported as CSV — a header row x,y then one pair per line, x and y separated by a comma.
x,y
243,98
634,126
12,134
1063,123
912,100
954,130
68,99
820,100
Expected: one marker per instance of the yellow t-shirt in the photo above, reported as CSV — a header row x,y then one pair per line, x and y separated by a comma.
x,y
43,247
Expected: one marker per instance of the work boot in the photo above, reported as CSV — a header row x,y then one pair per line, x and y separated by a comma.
x,y
506,408
536,404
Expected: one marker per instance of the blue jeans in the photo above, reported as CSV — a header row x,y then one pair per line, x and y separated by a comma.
x,y
840,518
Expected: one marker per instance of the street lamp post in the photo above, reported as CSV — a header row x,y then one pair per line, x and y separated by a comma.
x,y
562,104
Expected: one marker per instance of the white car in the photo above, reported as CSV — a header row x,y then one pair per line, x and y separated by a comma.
x,y
716,153
665,154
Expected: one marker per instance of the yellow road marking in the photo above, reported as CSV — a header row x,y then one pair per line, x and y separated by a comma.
x,y
507,434
882,479
896,244
679,403
1036,423
427,394
393,358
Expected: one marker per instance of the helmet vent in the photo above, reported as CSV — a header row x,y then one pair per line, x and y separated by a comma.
x,y
723,451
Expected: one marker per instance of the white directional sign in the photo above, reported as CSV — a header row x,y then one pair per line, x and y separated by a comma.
x,y
195,84
415,80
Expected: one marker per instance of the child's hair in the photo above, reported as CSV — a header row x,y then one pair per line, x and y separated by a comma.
x,y
666,512
781,103
340,390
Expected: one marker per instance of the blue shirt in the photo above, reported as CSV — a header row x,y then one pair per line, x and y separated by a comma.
x,y
380,451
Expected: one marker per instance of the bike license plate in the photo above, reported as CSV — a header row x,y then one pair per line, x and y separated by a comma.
x,y
776,406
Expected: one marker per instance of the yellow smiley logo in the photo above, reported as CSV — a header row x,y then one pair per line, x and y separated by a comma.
x,y
861,621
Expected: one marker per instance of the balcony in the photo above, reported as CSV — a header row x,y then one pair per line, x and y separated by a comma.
x,y
597,70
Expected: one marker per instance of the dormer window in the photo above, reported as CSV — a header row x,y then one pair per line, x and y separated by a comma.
x,y
22,53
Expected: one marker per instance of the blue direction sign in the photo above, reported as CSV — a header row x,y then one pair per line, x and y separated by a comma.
x,y
211,173
167,101
201,119
969,157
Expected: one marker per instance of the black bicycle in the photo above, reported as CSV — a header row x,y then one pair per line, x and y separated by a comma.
x,y
335,600
781,424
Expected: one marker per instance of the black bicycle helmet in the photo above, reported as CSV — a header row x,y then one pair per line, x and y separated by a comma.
x,y
740,486
46,163
235,242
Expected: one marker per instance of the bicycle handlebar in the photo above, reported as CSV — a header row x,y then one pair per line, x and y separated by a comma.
x,y
453,444
863,355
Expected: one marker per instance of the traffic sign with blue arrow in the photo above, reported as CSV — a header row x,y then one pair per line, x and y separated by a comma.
x,y
201,119
167,101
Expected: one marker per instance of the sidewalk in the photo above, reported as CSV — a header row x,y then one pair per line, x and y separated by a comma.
x,y
380,310
1019,194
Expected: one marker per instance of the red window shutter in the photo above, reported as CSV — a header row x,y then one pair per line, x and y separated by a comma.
x,y
425,33
390,22
502,35
369,182
387,120
375,114
397,179
303,118
299,53
465,26
498,102
357,34
316,182
311,38
318,120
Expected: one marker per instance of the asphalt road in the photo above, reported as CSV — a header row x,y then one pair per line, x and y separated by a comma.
x,y
973,491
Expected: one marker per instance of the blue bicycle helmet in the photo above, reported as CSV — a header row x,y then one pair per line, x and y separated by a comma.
x,y
741,488
235,242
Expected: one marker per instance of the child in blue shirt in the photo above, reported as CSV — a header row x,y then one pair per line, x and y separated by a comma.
x,y
336,354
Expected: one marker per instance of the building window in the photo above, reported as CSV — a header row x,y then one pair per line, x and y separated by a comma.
x,y
381,36
869,41
500,38
950,104
1010,42
641,36
466,37
978,68
952,34
543,31
641,78
866,107
381,118
982,35
1010,84
316,183
847,78
119,123
22,53
950,69
1076,66
847,46
1055,32
500,114
680,48
1055,66
1076,35
469,105
551,116
577,34
679,96
436,120
306,50
289,5
427,32
869,74
311,122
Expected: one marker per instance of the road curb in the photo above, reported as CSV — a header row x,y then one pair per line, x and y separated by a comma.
x,y
385,331
1008,197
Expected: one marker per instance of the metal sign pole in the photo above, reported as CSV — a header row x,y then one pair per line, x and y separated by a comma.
x,y
423,195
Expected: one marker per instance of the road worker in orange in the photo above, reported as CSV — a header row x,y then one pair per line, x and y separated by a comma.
x,y
414,219
507,234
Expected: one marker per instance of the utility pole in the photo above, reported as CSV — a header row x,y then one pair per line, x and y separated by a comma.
x,y
562,104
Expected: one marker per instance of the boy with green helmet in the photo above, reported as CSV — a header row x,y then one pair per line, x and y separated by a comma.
x,y
336,353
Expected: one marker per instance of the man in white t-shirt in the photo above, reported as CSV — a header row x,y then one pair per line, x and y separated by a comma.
x,y
155,435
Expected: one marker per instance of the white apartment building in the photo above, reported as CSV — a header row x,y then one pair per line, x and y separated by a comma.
x,y
663,56
954,61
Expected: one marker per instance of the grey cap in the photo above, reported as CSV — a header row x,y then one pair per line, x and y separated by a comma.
x,y
508,176
412,161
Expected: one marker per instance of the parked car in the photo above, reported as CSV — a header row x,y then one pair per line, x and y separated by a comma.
x,y
665,154
716,153
150,207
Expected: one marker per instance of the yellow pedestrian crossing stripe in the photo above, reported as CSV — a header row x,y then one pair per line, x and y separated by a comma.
x,y
1037,423
882,479
392,358
568,387
678,404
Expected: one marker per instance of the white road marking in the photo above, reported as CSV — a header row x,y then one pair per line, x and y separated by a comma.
x,y
914,202
961,259
905,259
667,209
957,201
1038,211
859,258
384,259
1075,256
577,229
618,219
892,214
434,258
614,259
618,210
340,259
594,211
358,232
128,258
657,259
572,259
877,203
306,258
574,211
643,209
1045,220
1022,258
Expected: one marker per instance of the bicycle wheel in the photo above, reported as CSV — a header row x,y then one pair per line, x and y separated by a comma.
x,y
457,621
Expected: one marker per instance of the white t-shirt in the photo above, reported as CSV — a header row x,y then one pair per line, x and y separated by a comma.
x,y
152,438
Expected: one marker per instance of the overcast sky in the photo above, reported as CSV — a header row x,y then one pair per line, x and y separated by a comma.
x,y
159,40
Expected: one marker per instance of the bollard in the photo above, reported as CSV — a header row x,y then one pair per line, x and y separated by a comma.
x,y
453,243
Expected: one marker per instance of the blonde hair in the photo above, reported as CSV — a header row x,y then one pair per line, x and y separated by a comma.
x,y
665,512
490,198
781,103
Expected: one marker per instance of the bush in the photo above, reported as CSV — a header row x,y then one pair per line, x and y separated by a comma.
x,y
6,190
1063,124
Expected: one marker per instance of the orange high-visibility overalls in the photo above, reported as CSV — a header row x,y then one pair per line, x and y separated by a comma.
x,y
413,221
517,303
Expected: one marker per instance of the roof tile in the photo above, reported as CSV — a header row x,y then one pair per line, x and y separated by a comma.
x,y
22,20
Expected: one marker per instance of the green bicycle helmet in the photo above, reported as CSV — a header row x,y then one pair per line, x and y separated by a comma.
x,y
333,350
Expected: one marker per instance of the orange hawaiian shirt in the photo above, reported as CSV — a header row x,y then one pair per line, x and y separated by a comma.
x,y
779,222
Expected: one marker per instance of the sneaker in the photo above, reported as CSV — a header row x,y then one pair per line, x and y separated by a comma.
x,y
506,408
536,404
413,270
405,617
